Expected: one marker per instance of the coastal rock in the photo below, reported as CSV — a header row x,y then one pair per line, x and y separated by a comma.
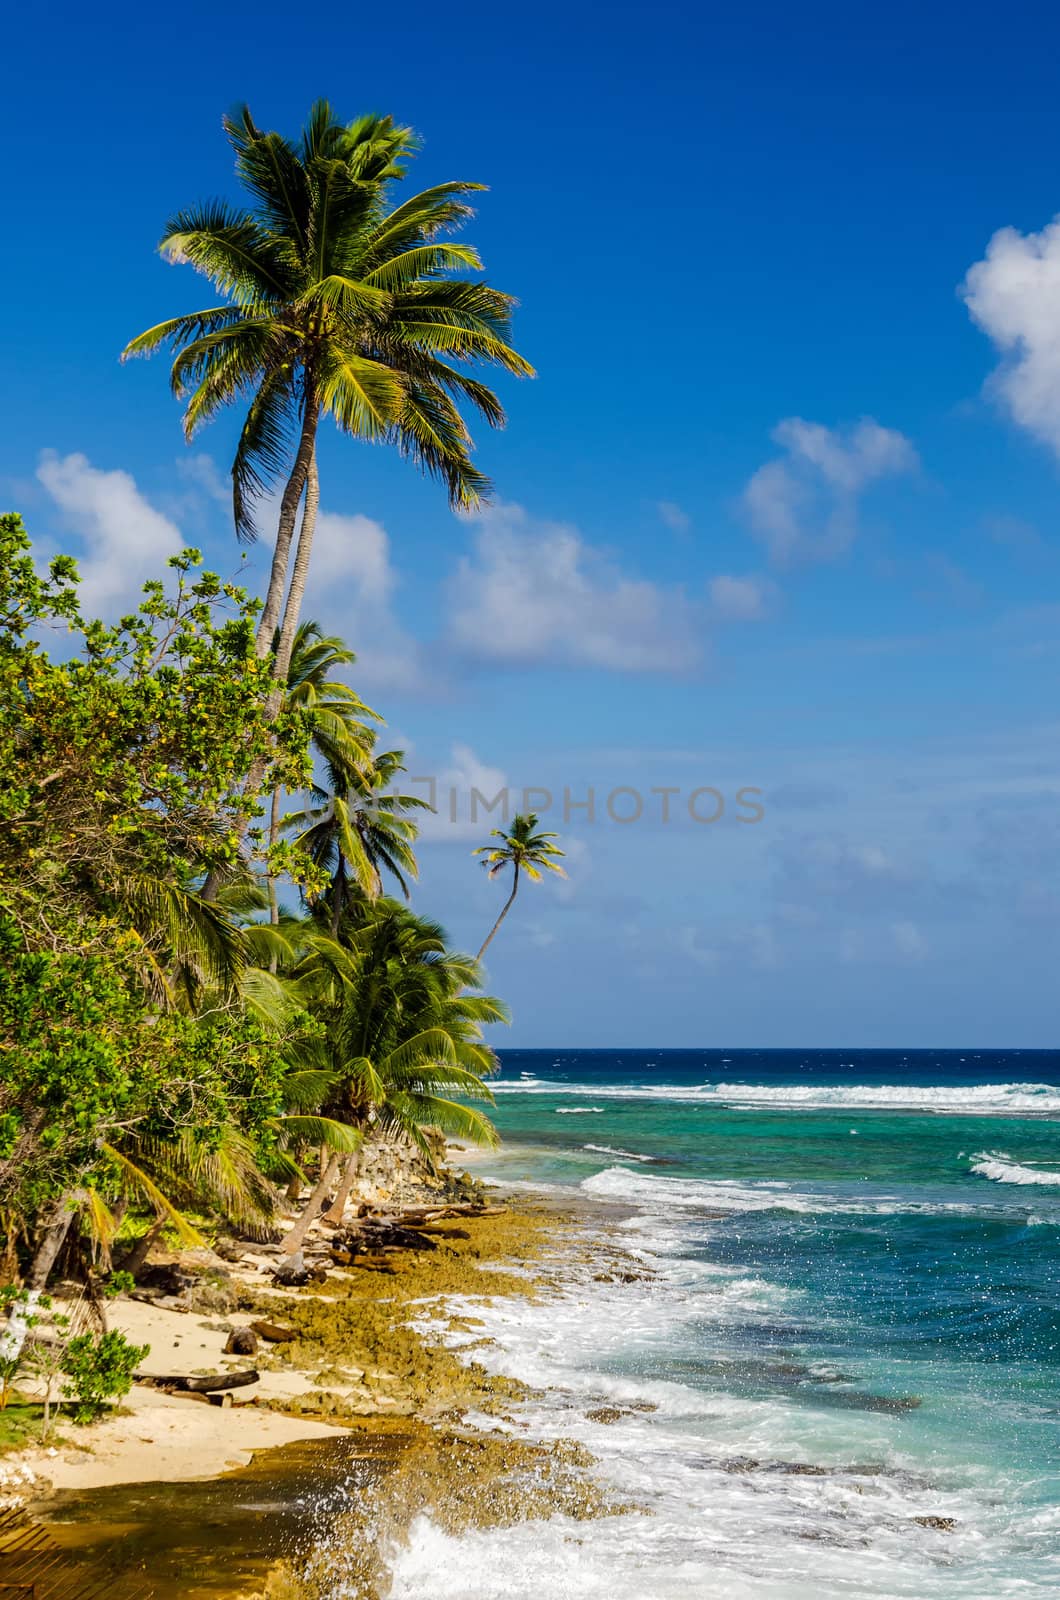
x,y
607,1414
293,1271
242,1342
940,1524
165,1278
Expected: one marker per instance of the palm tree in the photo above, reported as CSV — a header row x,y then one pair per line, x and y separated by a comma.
x,y
524,850
332,301
339,734
401,1034
358,828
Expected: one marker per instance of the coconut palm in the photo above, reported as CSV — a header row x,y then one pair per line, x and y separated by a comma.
x,y
358,827
525,851
337,716
333,301
400,1035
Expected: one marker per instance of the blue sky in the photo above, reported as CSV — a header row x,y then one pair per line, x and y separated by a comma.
x,y
780,510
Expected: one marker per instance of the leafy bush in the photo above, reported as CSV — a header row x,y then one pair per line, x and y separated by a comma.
x,y
100,1369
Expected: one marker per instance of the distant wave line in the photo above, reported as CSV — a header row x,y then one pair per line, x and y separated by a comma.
x,y
969,1099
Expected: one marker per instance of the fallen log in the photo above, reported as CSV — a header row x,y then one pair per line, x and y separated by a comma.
x,y
274,1332
211,1384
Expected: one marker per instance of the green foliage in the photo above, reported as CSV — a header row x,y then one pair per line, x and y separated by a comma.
x,y
164,1051
21,1425
402,1038
123,774
122,767
99,1369
523,848
358,827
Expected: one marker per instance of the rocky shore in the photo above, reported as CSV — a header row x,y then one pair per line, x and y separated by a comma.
x,y
351,1349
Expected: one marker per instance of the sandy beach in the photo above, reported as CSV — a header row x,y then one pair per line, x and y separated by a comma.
x,y
355,1358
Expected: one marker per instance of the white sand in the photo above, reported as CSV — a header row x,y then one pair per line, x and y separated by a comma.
x,y
161,1437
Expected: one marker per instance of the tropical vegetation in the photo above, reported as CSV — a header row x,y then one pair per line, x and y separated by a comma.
x,y
175,1062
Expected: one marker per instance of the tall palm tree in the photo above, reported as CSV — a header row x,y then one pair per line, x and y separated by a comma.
x,y
334,301
524,850
358,827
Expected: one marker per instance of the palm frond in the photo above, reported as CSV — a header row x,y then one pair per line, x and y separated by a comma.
x,y
136,1180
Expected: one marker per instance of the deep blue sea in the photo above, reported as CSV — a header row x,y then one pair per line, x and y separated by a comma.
x,y
842,1377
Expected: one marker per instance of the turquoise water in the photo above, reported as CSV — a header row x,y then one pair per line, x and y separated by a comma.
x,y
852,1323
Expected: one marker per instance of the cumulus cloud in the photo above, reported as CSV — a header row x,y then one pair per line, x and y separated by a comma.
x,y
351,589
124,540
803,506
1014,296
464,792
202,472
908,940
674,516
740,599
536,593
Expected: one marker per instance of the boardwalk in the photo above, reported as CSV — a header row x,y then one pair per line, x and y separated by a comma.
x,y
34,1567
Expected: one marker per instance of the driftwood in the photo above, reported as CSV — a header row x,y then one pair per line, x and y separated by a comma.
x,y
211,1384
274,1332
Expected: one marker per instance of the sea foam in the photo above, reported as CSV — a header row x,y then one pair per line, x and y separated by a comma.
x,y
1002,1170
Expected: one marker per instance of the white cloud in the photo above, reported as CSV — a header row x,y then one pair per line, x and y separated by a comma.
x,y
674,516
804,505
535,593
125,540
908,940
203,473
740,599
1014,296
351,590
461,792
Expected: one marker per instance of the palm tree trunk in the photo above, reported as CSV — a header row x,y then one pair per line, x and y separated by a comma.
x,y
281,555
504,912
52,1241
136,1259
274,899
296,1237
338,895
13,1336
337,1211
293,609
302,473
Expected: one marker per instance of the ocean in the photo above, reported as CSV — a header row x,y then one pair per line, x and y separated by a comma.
x,y
840,1372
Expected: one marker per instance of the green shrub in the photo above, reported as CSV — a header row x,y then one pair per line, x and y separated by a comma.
x,y
99,1369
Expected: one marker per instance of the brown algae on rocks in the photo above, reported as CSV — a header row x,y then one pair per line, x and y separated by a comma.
x,y
462,1481
357,1327
353,1332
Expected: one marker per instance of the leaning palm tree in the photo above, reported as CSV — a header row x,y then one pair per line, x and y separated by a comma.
x,y
333,301
524,850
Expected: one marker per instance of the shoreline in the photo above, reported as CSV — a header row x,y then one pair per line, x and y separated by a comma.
x,y
360,1375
